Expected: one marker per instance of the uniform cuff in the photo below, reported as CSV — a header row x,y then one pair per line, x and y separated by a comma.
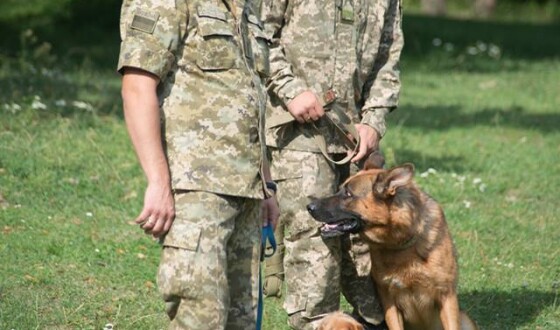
x,y
146,55
290,90
375,118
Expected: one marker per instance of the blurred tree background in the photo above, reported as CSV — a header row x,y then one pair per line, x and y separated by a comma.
x,y
79,30
87,30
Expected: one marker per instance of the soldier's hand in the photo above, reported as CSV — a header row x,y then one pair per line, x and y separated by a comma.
x,y
270,211
369,141
159,210
306,107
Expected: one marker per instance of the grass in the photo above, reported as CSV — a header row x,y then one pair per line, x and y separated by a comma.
x,y
480,127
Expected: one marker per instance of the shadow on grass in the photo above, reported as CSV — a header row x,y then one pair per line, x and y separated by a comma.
x,y
506,309
423,161
514,41
88,39
447,117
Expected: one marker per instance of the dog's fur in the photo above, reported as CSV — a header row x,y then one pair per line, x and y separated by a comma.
x,y
339,321
413,258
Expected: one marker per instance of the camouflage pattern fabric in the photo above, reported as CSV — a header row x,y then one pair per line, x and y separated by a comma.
x,y
349,46
211,93
210,57
211,254
274,266
318,270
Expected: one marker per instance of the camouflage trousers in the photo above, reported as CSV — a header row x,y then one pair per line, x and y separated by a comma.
x,y
208,274
318,270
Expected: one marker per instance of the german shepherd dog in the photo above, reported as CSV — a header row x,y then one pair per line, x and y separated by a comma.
x,y
414,265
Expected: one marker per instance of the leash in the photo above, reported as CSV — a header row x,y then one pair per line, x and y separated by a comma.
x,y
267,236
342,125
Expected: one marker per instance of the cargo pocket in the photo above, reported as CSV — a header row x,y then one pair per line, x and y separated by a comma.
x,y
313,288
217,50
176,274
259,45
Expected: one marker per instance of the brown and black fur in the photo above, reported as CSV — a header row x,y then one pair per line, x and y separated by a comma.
x,y
413,258
339,321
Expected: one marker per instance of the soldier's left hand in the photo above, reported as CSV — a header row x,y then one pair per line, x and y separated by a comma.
x,y
369,141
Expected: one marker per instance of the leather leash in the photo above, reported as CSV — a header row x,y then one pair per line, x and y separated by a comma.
x,y
343,127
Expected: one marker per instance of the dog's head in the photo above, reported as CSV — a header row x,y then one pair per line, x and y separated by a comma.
x,y
339,321
369,202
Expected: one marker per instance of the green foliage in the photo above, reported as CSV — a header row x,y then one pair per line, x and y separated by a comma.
x,y
40,10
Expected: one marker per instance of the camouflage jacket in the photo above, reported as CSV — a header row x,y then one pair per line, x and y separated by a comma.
x,y
351,47
208,56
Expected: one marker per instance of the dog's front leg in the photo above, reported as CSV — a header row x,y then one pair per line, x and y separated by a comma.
x,y
449,313
393,316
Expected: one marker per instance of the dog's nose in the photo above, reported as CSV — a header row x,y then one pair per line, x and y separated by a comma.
x,y
311,207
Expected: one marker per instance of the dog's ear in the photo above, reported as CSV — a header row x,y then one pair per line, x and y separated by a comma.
x,y
375,160
388,182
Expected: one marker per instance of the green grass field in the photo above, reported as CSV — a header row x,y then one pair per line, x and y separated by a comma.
x,y
479,118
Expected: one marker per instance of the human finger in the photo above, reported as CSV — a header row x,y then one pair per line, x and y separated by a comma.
x,y
142,218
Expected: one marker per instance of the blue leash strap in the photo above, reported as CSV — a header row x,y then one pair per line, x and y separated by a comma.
x,y
267,236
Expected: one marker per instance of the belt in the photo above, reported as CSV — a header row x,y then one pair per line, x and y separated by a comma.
x,y
342,124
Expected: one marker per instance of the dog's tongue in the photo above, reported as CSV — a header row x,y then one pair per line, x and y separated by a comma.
x,y
329,226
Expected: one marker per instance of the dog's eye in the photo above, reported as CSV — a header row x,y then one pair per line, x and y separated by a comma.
x,y
347,193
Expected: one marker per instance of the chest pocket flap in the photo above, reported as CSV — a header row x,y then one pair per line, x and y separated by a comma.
x,y
218,49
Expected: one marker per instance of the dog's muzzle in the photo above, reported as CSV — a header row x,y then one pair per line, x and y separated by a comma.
x,y
334,223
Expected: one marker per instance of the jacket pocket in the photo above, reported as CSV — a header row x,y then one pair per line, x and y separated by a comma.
x,y
183,236
217,49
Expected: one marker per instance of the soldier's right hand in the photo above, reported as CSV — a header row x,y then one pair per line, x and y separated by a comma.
x,y
159,210
306,107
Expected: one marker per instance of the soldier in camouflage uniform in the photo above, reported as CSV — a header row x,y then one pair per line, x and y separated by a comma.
x,y
194,107
327,55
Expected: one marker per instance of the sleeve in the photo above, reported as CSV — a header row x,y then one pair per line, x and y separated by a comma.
x,y
384,85
150,33
282,82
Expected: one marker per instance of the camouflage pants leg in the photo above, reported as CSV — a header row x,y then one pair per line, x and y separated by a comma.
x,y
208,274
311,268
318,270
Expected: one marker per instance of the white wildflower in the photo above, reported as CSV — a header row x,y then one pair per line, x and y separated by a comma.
x,y
481,46
436,42
47,73
97,250
428,172
472,50
476,181
467,204
60,103
13,107
482,188
448,47
82,105
38,104
494,51
89,214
